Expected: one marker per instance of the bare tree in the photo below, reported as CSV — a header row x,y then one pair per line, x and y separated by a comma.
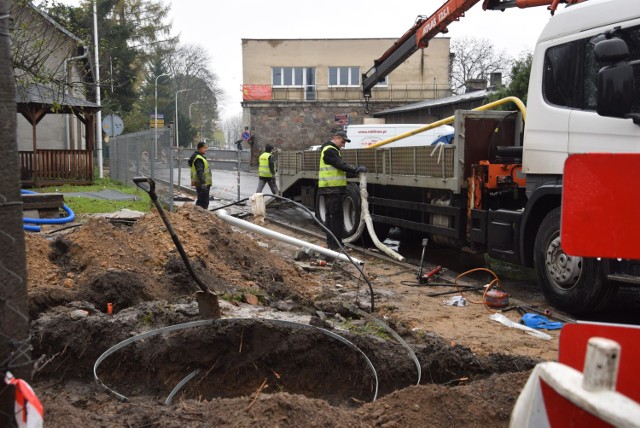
x,y
475,59
232,129
188,65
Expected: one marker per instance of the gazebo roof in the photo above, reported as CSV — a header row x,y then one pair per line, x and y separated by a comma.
x,y
41,94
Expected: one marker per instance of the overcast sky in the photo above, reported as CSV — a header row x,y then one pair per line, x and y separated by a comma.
x,y
219,25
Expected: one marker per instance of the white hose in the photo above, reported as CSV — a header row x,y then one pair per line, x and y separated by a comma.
x,y
365,218
224,215
363,197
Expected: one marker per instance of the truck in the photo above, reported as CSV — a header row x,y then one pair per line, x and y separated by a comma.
x,y
363,136
497,189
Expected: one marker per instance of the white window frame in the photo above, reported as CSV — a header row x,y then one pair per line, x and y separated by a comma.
x,y
294,71
351,76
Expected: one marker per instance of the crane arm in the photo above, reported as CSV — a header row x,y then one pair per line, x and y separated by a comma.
x,y
426,28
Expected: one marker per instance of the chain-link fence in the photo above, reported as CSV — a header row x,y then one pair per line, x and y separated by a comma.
x,y
150,154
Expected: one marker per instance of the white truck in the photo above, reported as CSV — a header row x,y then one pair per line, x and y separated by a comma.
x,y
498,187
363,136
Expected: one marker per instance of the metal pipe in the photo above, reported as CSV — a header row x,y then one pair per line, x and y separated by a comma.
x,y
99,112
224,215
67,124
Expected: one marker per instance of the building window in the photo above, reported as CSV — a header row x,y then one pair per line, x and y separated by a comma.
x,y
344,76
293,76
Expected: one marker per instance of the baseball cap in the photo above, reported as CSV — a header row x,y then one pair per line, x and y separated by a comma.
x,y
343,135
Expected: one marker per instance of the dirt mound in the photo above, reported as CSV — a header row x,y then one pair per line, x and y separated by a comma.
x,y
102,263
243,370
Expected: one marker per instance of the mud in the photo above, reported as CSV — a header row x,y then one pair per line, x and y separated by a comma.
x,y
251,370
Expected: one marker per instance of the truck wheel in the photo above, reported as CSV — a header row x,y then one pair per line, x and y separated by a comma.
x,y
571,283
351,209
321,208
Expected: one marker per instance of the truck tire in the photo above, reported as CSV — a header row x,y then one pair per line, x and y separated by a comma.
x,y
321,208
570,283
351,209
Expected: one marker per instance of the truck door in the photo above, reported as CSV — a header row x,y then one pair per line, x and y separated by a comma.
x,y
547,129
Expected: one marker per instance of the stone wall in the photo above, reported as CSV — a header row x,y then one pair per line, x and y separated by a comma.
x,y
297,126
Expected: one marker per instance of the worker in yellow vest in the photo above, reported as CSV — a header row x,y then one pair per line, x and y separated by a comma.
x,y
267,170
201,175
332,184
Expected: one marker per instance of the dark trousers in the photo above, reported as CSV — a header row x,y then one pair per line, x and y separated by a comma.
x,y
335,220
203,197
271,181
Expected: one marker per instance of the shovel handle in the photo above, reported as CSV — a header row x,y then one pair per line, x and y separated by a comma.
x,y
148,185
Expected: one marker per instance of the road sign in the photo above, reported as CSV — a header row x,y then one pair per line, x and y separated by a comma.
x,y
156,122
112,125
246,135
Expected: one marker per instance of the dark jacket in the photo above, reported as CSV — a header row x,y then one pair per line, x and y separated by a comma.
x,y
333,158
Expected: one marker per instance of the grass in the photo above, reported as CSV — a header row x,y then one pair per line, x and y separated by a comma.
x,y
85,205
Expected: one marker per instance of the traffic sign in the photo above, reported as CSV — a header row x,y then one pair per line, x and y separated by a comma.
x,y
112,125
246,135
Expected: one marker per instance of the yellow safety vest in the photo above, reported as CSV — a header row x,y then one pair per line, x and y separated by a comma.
x,y
263,166
207,171
329,175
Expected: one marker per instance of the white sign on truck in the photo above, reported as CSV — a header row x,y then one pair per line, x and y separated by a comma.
x,y
363,136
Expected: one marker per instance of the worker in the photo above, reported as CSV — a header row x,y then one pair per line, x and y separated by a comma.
x,y
201,174
332,184
267,171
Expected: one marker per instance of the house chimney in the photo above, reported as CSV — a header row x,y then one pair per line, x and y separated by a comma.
x,y
473,85
495,80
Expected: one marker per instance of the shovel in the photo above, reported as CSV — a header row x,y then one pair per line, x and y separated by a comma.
x,y
208,304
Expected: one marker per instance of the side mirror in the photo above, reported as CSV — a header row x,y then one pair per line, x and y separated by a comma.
x,y
615,79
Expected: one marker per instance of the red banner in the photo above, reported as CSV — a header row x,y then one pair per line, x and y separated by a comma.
x,y
256,92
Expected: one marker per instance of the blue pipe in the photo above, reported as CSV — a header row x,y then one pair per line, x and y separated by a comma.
x,y
69,218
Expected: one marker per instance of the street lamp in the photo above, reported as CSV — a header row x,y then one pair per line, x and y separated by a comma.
x,y
155,117
197,102
178,135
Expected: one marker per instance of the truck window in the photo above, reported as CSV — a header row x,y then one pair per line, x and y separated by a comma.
x,y
566,84
632,37
560,74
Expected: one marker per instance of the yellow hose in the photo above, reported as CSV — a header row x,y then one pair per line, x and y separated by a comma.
x,y
450,119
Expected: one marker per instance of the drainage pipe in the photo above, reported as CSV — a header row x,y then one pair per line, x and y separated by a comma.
x,y
224,215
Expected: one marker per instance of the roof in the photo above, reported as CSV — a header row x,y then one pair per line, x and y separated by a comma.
x,y
454,99
55,24
41,94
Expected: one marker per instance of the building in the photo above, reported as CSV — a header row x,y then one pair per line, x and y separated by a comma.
x,y
56,123
295,92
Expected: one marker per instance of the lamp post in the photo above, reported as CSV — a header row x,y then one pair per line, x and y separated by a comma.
x,y
155,117
197,102
178,135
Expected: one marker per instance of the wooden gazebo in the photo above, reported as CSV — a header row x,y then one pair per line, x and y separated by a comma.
x,y
43,167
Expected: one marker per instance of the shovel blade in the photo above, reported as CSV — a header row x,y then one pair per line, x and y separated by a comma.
x,y
208,304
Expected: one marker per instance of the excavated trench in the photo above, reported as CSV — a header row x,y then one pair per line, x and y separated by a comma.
x,y
223,365
238,357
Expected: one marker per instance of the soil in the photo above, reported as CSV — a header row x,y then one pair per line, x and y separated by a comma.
x,y
289,350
